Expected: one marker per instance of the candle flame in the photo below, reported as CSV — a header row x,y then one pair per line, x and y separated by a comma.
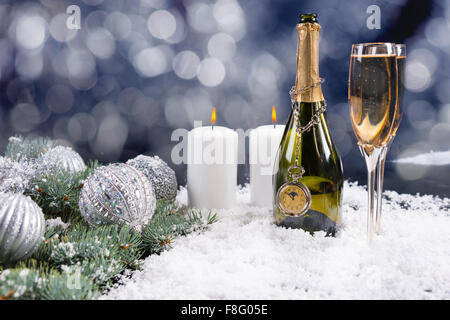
x,y
274,115
213,117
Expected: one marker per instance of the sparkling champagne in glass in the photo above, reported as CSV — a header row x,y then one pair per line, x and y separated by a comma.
x,y
372,94
401,62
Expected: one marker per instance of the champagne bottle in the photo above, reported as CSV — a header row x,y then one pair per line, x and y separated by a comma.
x,y
308,177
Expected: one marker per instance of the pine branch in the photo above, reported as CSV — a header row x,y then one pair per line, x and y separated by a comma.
x,y
168,223
66,286
20,148
24,283
82,261
78,261
19,284
99,253
122,242
57,193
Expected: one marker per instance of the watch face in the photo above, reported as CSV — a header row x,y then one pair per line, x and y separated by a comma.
x,y
294,199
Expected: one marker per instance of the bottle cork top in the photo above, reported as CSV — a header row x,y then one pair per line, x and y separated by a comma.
x,y
308,17
307,75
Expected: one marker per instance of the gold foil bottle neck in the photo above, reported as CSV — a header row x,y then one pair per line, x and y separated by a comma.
x,y
308,63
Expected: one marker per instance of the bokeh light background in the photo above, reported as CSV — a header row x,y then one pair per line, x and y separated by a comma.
x,y
137,70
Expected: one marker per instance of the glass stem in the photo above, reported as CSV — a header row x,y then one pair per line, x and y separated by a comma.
x,y
380,180
371,156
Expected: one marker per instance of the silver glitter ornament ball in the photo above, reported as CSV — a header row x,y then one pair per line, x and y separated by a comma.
x,y
117,194
22,227
159,173
61,157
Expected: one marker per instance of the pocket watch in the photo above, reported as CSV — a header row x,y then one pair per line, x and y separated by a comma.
x,y
293,197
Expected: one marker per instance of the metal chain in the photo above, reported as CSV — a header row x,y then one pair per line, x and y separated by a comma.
x,y
315,120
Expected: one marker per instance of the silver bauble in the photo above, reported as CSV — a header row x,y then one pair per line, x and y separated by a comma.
x,y
22,227
159,173
117,194
61,158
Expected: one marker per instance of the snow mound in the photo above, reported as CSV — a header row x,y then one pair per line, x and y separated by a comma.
x,y
245,256
432,158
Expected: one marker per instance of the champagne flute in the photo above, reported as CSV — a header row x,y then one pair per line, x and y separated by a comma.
x,y
372,94
401,61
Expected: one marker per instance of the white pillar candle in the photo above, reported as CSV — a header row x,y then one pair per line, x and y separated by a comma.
x,y
212,167
263,146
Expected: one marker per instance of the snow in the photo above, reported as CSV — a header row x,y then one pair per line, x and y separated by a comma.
x,y
432,158
56,223
245,256
15,176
